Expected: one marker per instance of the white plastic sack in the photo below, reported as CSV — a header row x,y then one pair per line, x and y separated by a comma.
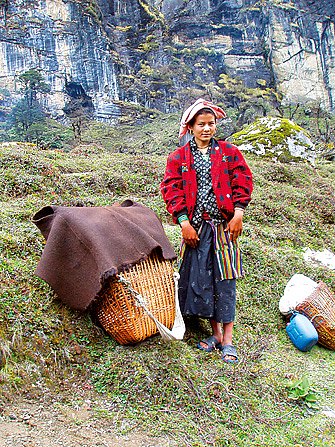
x,y
296,291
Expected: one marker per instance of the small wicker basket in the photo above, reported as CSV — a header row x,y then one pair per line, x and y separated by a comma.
x,y
319,307
120,315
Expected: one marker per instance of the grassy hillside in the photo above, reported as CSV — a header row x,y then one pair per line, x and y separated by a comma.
x,y
52,353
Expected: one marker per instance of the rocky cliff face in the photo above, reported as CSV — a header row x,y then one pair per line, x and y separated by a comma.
x,y
158,53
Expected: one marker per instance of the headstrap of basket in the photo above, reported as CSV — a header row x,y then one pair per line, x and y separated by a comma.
x,y
165,332
140,300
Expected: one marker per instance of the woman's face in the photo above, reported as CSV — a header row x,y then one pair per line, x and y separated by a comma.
x,y
203,128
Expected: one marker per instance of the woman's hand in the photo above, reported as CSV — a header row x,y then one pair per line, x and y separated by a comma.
x,y
189,234
235,225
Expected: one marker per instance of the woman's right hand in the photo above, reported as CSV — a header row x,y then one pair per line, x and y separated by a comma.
x,y
189,234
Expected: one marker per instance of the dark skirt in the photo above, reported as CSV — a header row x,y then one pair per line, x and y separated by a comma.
x,y
201,291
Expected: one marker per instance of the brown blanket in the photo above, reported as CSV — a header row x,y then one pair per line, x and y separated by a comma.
x,y
85,245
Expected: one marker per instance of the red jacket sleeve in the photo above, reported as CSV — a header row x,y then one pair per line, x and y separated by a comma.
x,y
240,178
172,187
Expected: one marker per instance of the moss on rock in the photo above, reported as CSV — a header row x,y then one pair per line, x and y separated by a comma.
x,y
277,138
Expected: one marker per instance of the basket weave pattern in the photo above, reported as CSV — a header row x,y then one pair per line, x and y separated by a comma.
x,y
319,307
120,315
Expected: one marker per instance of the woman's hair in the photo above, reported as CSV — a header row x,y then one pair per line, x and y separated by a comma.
x,y
201,112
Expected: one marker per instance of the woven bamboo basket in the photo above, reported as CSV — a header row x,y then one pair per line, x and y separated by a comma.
x,y
319,307
119,313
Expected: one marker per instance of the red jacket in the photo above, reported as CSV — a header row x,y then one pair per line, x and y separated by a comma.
x,y
231,180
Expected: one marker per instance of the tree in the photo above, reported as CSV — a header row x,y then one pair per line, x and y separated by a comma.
x,y
28,110
29,122
32,83
23,117
50,135
79,108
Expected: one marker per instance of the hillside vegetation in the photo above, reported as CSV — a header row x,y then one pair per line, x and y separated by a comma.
x,y
56,355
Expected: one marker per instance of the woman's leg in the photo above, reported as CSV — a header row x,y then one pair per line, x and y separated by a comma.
x,y
227,337
228,333
217,330
217,333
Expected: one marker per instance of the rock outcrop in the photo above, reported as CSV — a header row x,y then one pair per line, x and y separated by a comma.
x,y
277,138
158,54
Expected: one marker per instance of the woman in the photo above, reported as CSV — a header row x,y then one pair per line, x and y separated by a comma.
x,y
206,187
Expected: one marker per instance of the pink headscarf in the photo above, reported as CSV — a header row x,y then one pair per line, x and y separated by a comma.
x,y
193,109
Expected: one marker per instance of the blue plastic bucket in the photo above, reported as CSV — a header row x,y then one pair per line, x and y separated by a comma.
x,y
302,332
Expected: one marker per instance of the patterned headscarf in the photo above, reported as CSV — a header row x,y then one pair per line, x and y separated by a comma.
x,y
193,109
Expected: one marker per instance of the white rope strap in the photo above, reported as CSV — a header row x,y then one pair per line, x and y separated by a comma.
x,y
178,330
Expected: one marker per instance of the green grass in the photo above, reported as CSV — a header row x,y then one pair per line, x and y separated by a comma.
x,y
50,351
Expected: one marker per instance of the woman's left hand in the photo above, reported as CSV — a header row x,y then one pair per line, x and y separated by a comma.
x,y
235,225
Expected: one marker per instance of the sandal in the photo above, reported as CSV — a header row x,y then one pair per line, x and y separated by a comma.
x,y
211,342
229,350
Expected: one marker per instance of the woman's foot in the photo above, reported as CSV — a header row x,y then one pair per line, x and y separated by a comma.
x,y
229,354
209,344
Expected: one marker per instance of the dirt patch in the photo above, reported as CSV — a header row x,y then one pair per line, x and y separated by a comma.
x,y
29,424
